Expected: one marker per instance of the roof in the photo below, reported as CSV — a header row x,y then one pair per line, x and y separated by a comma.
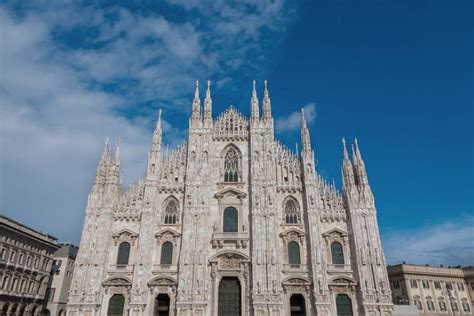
x,y
28,231
412,269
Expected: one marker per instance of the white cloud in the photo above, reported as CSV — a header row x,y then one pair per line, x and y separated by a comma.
x,y
448,243
293,121
73,75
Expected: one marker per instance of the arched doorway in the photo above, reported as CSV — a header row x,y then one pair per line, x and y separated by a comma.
x,y
116,305
343,305
162,305
297,305
46,312
229,298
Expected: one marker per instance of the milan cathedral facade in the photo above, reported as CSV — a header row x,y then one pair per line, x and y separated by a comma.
x,y
231,222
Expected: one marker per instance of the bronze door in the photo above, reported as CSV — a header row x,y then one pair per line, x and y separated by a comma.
x,y
229,300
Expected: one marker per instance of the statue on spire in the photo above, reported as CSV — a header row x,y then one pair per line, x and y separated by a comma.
x,y
347,169
305,138
208,103
254,104
196,112
267,107
157,135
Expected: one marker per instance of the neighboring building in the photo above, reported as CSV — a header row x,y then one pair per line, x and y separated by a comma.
x,y
25,262
405,310
60,280
230,223
433,290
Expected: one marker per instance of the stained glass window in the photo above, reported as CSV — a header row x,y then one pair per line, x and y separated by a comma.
x,y
291,212
337,253
171,211
123,253
166,253
294,253
343,305
231,220
116,304
231,166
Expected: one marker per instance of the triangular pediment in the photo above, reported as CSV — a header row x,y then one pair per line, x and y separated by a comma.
x,y
335,231
293,231
125,232
230,192
167,231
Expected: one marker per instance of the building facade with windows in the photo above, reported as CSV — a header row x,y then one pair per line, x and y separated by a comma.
x,y
60,281
231,222
26,256
433,290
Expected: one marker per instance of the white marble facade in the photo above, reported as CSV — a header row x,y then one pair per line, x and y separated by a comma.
x,y
231,222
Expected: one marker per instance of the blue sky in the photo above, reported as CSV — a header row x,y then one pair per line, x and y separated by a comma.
x,y
398,75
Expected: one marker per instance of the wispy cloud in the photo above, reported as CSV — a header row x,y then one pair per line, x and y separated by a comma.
x,y
293,120
448,243
73,75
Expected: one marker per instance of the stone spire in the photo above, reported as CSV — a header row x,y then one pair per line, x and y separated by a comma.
x,y
359,165
347,169
305,138
208,103
267,107
157,135
104,164
254,104
154,155
115,171
196,113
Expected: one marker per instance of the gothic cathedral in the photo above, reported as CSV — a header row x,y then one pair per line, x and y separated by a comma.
x,y
231,222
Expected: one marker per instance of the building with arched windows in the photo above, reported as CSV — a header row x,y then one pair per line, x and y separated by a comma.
x,y
231,222
26,257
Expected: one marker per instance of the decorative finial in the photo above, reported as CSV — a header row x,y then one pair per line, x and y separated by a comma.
x,y
208,103
107,140
267,108
303,119
196,92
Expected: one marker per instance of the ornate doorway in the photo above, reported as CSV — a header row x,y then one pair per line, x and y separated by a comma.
x,y
116,305
162,305
343,305
297,305
229,303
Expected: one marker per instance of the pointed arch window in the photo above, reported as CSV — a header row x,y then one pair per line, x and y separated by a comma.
x,y
294,253
231,166
171,211
231,220
291,212
166,253
337,253
123,253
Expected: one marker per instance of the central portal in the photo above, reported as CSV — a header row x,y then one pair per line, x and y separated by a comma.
x,y
229,303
